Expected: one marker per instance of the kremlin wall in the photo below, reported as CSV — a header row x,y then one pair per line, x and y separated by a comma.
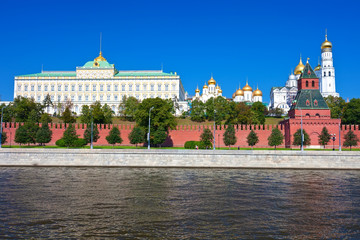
x,y
183,133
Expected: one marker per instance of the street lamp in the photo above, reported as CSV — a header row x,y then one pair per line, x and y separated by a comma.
x,y
2,113
149,128
333,136
214,130
302,135
92,129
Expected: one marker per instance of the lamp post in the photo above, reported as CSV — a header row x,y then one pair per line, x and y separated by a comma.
x,y
2,113
214,130
92,129
302,135
149,128
333,136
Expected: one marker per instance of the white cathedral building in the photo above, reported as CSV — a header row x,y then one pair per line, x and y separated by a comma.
x,y
282,97
208,91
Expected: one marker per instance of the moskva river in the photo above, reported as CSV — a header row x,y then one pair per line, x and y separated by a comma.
x,y
148,203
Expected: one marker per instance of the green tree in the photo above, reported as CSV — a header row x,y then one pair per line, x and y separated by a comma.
x,y
34,116
276,112
297,138
324,137
47,101
45,118
161,115
252,139
87,134
22,108
159,137
352,112
350,139
259,111
85,114
114,136
26,134
128,108
137,135
276,138
336,105
243,114
44,134
67,116
229,136
108,114
7,111
70,137
221,107
206,138
3,137
197,112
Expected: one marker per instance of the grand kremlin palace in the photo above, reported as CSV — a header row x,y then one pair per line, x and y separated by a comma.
x,y
99,80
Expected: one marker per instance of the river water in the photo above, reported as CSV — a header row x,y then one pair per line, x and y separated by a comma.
x,y
149,203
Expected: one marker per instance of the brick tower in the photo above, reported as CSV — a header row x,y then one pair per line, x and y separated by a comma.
x,y
310,107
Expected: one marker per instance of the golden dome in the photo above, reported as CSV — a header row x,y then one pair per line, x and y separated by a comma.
x,y
326,43
217,87
299,68
239,92
205,86
257,92
247,88
211,81
233,96
197,90
318,67
220,91
100,58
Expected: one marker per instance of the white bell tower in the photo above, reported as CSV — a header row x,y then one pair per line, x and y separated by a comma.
x,y
327,83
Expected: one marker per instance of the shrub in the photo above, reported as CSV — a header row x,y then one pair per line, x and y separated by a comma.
x,y
60,143
191,144
80,142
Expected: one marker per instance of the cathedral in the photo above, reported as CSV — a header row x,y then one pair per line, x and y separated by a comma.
x,y
246,94
282,97
208,91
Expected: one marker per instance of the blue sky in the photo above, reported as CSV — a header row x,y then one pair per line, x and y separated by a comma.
x,y
234,40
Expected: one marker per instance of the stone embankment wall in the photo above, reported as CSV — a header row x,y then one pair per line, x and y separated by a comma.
x,y
183,133
180,158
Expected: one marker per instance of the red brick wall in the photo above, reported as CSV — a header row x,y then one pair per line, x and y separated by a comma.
x,y
181,134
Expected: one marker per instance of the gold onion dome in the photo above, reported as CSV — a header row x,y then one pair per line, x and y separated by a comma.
x,y
212,81
326,43
257,92
220,91
299,68
205,86
233,96
100,58
197,90
318,67
247,88
217,87
239,92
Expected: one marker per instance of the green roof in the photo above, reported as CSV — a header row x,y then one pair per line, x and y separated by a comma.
x,y
309,99
308,72
143,73
51,74
102,64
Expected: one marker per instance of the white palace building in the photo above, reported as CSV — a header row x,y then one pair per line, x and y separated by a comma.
x,y
99,80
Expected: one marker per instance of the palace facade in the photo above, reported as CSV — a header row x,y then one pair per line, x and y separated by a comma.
x,y
99,80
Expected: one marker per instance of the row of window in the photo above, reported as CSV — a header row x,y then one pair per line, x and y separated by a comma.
x,y
328,75
100,98
159,87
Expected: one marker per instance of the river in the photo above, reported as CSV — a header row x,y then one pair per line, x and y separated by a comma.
x,y
175,203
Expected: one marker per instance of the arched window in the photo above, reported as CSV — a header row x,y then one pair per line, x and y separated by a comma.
x,y
313,83
307,115
307,83
324,74
329,73
317,115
